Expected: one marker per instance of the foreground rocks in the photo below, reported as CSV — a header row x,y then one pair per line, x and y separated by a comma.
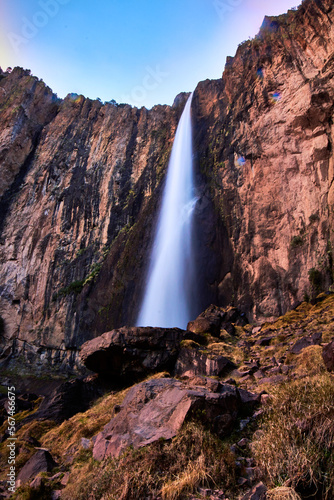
x,y
42,461
68,399
133,352
157,409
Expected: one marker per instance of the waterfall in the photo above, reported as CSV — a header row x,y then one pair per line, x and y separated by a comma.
x,y
167,297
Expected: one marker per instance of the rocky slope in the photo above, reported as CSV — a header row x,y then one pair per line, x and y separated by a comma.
x,y
261,428
81,184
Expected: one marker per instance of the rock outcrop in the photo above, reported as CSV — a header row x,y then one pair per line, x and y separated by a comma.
x,y
133,352
81,183
268,165
157,409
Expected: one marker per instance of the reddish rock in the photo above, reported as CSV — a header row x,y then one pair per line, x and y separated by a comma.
x,y
157,409
192,361
328,356
81,183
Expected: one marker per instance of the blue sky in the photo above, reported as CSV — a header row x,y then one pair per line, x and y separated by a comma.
x,y
143,52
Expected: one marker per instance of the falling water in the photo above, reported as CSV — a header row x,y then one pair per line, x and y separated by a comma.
x,y
167,297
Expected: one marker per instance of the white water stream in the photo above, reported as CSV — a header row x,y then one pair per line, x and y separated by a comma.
x,y
167,296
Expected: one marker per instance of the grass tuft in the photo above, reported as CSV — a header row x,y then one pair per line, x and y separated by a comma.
x,y
296,442
170,469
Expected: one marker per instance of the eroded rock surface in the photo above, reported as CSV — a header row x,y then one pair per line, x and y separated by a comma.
x,y
157,409
81,184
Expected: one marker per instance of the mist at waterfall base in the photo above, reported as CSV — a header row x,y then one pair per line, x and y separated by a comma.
x,y
167,298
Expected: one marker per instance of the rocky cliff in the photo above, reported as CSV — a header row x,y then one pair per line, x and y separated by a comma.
x,y
81,184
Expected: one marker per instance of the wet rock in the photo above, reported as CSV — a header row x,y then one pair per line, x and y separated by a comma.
x,y
157,409
42,461
328,356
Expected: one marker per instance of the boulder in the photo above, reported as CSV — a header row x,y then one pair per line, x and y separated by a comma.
x,y
157,408
134,352
304,342
69,398
214,319
208,321
42,461
328,356
192,361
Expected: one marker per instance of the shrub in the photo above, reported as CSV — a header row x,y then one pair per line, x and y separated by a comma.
x,y
296,241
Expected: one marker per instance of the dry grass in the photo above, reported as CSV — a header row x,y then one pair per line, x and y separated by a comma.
x,y
282,493
171,469
231,351
295,446
64,440
310,362
194,475
24,448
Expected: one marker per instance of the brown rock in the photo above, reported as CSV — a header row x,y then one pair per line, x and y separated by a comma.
x,y
257,493
304,342
207,322
157,409
328,356
42,461
192,361
132,352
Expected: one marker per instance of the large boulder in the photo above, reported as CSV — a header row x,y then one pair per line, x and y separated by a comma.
x,y
130,353
328,356
302,343
157,409
69,398
215,318
42,461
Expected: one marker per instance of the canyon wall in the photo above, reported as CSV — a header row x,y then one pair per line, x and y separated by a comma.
x,y
81,184
264,141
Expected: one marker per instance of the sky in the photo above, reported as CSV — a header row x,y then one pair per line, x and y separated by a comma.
x,y
142,52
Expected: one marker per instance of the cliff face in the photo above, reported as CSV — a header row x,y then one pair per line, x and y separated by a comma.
x,y
81,183
76,177
268,160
